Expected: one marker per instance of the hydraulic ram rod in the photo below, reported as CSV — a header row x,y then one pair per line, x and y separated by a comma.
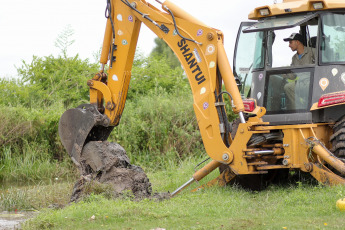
x,y
198,175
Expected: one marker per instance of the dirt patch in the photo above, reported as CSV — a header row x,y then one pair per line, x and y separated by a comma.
x,y
105,168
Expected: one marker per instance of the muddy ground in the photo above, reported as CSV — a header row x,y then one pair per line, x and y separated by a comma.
x,y
106,167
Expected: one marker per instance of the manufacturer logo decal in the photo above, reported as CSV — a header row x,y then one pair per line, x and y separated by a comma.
x,y
192,59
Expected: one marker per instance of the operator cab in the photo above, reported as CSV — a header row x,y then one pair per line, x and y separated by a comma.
x,y
262,65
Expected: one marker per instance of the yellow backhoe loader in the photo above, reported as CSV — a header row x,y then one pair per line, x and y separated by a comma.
x,y
273,133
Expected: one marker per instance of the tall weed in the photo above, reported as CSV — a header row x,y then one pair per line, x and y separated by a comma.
x,y
30,144
31,162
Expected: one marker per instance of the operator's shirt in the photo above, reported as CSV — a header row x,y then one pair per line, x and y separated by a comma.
x,y
295,88
307,58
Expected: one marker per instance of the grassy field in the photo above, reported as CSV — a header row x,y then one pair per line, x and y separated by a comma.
x,y
158,129
294,206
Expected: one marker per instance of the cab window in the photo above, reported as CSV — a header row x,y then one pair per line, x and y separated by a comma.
x,y
249,55
281,54
333,38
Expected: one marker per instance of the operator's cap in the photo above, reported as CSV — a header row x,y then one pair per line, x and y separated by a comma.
x,y
294,36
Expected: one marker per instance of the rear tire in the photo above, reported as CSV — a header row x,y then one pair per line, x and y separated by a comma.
x,y
338,138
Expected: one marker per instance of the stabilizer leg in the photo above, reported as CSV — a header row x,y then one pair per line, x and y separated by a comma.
x,y
222,180
325,176
322,173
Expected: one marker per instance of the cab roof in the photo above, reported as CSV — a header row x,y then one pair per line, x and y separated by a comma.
x,y
295,6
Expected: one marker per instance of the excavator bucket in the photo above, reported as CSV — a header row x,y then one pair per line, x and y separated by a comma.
x,y
81,125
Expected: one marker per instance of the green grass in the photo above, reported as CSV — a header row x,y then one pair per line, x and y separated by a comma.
x,y
295,206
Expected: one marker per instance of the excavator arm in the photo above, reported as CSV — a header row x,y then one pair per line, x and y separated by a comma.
x,y
198,47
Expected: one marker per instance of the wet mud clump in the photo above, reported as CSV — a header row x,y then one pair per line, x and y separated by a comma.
x,y
105,168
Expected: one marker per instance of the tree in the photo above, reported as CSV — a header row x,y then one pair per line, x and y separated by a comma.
x,y
163,50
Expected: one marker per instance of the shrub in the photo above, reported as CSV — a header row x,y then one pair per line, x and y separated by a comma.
x,y
159,126
49,79
30,144
151,73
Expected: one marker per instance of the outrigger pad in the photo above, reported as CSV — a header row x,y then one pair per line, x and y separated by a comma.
x,y
81,125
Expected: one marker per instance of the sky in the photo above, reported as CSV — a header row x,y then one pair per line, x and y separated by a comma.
x,y
30,27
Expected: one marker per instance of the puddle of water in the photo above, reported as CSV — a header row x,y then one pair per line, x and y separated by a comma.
x,y
9,224
9,220
13,220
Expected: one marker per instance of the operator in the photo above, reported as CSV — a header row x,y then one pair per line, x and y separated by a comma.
x,y
303,56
